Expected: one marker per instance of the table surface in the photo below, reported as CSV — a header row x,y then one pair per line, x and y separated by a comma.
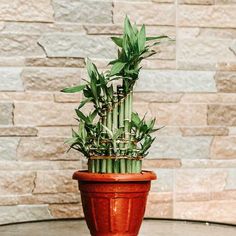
x,y
149,228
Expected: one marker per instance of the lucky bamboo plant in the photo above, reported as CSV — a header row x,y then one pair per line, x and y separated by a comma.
x,y
113,137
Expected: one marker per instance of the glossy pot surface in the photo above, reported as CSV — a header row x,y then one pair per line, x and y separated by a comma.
x,y
114,204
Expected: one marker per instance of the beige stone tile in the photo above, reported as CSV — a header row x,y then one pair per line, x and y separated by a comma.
x,y
45,148
50,79
161,163
179,114
20,10
205,131
226,82
26,96
218,211
40,165
214,98
44,114
157,97
55,182
200,163
159,205
24,183
223,148
221,114
67,97
200,180
66,210
206,16
23,213
162,14
12,131
54,62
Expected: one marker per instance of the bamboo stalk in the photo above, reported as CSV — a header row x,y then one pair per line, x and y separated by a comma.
x,y
139,166
134,166
104,166
129,166
115,114
121,125
104,161
89,165
126,120
116,166
122,166
97,165
93,166
109,166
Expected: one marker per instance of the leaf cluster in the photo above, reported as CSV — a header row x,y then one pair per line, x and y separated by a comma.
x,y
94,137
134,46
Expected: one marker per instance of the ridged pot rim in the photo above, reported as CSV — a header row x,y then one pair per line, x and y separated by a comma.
x,y
84,175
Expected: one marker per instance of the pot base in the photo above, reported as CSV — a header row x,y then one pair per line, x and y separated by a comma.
x,y
114,204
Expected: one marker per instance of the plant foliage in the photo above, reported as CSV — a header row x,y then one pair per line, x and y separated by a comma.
x,y
112,136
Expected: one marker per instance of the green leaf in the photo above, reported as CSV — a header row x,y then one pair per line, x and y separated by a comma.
x,y
82,116
109,132
142,38
91,68
83,102
74,89
156,37
118,41
118,133
128,27
117,68
154,130
93,85
93,115
135,119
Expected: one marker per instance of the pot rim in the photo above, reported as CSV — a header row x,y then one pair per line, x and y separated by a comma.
x,y
84,175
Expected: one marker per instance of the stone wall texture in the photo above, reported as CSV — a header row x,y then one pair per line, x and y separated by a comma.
x,y
189,86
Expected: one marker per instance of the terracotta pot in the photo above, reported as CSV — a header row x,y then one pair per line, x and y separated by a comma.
x,y
114,204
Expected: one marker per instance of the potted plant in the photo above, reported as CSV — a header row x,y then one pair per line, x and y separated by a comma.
x,y
115,139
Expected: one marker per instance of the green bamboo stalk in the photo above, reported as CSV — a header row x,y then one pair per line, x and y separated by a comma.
x,y
109,119
89,165
127,119
109,166
128,165
134,166
139,166
104,161
122,166
116,166
115,114
104,166
97,165
121,125
93,166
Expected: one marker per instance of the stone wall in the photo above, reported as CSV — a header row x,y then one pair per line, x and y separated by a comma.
x,y
189,86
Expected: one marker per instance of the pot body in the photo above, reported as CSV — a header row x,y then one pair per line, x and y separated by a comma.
x,y
114,204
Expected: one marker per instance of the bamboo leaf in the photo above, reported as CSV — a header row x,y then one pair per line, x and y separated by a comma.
x,y
74,89
142,38
91,68
93,115
117,68
127,26
157,37
82,116
118,133
135,119
118,41
83,102
109,132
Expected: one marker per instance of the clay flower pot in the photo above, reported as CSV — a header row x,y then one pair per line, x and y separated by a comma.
x,y
114,204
